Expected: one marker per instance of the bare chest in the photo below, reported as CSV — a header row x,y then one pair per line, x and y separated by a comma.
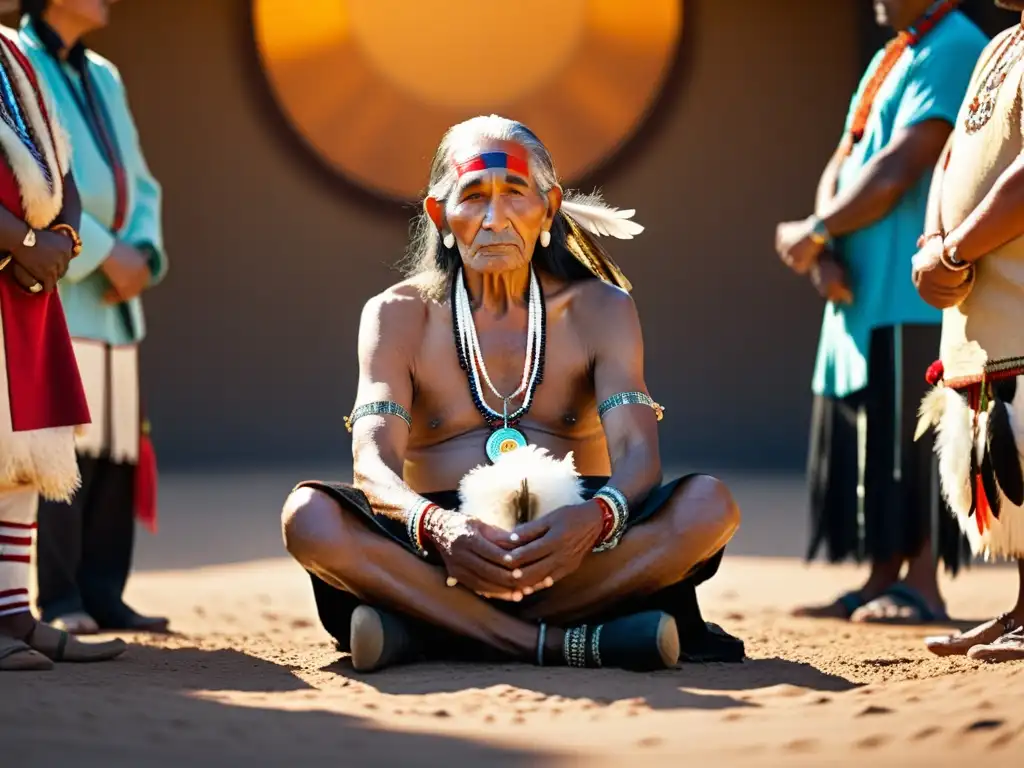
x,y
443,402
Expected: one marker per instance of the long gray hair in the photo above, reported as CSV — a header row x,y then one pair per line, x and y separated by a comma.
x,y
573,253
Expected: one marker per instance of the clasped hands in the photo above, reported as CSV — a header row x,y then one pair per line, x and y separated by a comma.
x,y
937,284
127,271
803,254
510,565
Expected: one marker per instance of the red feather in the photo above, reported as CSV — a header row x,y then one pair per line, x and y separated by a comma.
x,y
146,483
982,513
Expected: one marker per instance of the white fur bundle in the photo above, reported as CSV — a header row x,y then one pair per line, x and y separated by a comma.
x,y
494,493
591,213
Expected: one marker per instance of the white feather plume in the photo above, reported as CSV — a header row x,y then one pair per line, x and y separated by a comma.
x,y
953,444
930,411
591,213
490,492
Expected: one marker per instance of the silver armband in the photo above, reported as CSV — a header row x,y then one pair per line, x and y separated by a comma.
x,y
630,398
379,408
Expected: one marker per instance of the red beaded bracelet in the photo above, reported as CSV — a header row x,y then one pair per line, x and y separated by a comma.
x,y
607,517
422,533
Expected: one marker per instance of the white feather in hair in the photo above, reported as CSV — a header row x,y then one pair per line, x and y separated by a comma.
x,y
591,213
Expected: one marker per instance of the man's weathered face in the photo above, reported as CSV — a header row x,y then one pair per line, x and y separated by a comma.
x,y
496,211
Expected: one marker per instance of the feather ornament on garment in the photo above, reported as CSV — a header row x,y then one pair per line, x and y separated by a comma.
x,y
976,452
520,486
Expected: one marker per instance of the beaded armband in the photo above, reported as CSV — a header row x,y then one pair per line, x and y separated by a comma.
x,y
616,500
379,408
630,398
414,525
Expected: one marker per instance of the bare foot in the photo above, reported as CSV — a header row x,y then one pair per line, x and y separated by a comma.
x,y
78,623
1009,647
902,604
960,643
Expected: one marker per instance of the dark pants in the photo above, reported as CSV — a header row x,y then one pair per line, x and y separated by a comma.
x,y
874,490
85,547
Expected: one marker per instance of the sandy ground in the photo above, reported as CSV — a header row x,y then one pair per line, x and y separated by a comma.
x,y
251,679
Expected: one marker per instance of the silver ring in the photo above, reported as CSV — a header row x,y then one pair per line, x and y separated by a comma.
x,y
451,581
36,288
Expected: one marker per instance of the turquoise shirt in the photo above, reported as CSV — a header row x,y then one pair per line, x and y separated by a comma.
x,y
928,83
82,289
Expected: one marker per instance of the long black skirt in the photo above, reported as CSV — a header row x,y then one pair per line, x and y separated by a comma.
x,y
874,491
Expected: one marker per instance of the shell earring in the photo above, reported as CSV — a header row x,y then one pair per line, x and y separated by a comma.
x,y
545,239
448,240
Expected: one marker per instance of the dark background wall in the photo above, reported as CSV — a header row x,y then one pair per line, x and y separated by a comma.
x,y
251,355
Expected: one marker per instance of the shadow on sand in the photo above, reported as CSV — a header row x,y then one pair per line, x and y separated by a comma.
x,y
144,709
661,690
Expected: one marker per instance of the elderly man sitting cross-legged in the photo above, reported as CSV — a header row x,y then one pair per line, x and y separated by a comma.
x,y
399,573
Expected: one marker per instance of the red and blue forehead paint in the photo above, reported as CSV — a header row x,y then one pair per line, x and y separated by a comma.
x,y
512,162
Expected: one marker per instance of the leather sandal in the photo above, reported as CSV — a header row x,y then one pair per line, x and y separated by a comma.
x,y
16,656
58,645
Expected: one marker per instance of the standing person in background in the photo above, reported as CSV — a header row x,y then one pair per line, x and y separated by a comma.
x,y
874,492
41,397
85,552
971,265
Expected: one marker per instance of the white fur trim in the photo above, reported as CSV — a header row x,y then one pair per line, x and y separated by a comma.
x,y
489,492
42,203
44,458
1004,537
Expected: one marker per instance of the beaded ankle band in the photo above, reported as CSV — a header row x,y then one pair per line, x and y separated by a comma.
x,y
574,646
630,398
379,408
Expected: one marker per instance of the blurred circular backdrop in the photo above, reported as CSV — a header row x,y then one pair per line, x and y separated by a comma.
x,y
372,85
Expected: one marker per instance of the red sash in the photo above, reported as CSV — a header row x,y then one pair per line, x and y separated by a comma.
x,y
44,388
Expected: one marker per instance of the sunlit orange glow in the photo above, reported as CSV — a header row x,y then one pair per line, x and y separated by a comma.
x,y
371,85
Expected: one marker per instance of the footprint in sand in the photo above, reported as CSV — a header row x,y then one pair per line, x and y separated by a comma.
x,y
801,745
872,742
927,733
984,725
650,741
874,710
1003,739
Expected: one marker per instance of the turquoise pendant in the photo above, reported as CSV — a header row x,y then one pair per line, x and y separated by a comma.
x,y
504,440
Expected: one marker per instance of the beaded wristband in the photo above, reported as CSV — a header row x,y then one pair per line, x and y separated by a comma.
x,y
378,408
615,499
630,398
71,234
414,525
